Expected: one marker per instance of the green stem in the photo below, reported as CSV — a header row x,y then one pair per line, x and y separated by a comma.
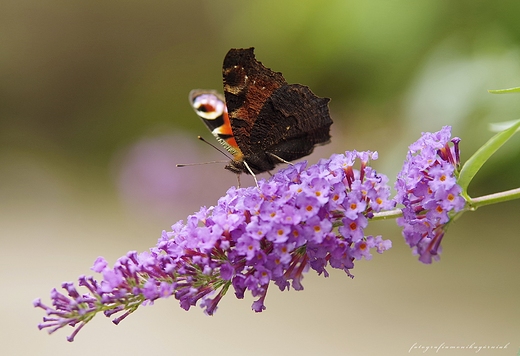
x,y
472,205
389,214
475,203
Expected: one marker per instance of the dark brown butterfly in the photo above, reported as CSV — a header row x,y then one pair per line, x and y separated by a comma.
x,y
263,121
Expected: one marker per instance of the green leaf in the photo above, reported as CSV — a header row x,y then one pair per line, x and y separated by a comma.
x,y
473,165
504,91
501,126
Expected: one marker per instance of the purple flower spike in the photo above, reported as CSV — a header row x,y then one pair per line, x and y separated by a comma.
x,y
275,232
427,187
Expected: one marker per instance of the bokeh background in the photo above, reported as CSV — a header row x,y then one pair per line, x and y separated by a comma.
x,y
94,116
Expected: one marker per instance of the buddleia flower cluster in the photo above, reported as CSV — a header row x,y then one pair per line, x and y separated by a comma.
x,y
303,218
427,187
299,220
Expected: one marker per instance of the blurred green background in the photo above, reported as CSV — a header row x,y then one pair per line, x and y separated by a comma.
x,y
94,116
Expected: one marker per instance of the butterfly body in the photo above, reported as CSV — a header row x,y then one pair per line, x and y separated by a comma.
x,y
263,121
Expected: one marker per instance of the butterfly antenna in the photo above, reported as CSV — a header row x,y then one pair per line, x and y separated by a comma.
x,y
198,164
212,145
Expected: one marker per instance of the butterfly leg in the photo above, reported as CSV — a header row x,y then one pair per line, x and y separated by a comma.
x,y
279,158
250,171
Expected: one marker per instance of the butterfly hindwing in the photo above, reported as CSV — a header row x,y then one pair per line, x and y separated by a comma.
x,y
291,128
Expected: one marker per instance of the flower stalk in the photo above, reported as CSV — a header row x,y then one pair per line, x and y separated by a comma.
x,y
500,197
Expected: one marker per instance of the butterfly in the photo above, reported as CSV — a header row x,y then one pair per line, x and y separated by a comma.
x,y
261,120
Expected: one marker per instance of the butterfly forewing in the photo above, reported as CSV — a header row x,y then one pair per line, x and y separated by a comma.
x,y
211,108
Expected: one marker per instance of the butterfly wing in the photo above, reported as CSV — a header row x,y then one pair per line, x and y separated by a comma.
x,y
247,86
211,108
270,117
292,122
